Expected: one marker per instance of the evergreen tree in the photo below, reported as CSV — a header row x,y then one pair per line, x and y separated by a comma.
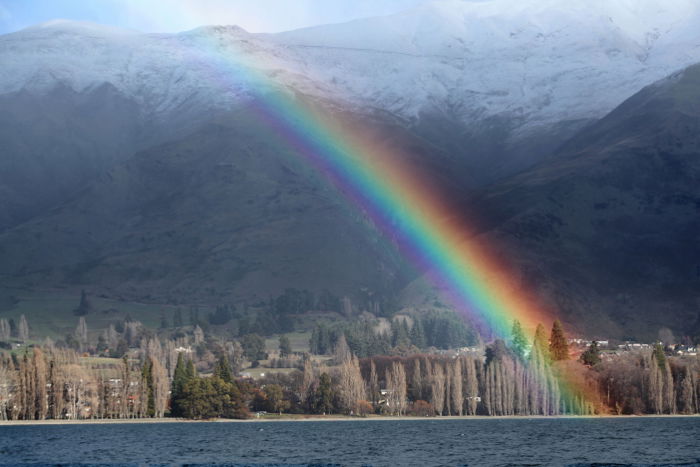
x,y
85,306
212,397
518,340
222,369
418,334
591,356
147,381
190,370
177,318
558,345
660,355
183,374
285,346
324,395
179,375
254,347
400,333
321,342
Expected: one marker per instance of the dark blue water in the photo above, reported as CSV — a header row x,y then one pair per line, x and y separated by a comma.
x,y
639,441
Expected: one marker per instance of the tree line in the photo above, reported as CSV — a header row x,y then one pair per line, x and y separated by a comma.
x,y
199,376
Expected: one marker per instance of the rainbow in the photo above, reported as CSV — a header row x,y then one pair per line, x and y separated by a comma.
x,y
378,179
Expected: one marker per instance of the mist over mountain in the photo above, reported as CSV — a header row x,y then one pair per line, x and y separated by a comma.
x,y
131,165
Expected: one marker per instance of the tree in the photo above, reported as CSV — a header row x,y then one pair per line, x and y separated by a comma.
x,y
223,369
591,356
198,335
351,386
320,341
396,388
275,398
437,388
85,305
518,340
180,379
212,397
222,315
373,386
177,318
342,352
81,333
660,355
163,321
558,345
418,334
457,388
540,346
23,329
4,330
324,395
285,346
399,332
254,347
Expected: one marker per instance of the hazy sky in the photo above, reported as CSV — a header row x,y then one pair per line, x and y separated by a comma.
x,y
179,15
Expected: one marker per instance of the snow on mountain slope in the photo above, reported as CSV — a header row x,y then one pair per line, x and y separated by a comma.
x,y
536,62
206,68
539,60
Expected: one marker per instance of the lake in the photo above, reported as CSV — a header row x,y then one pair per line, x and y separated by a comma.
x,y
482,442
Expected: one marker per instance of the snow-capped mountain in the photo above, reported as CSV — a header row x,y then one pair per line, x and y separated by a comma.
x,y
535,61
539,60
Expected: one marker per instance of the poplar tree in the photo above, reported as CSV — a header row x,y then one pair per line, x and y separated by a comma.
x,y
540,344
373,386
437,388
23,330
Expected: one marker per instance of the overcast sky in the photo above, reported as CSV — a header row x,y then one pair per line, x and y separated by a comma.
x,y
180,15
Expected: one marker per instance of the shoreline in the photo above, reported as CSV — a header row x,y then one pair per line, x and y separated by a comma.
x,y
320,418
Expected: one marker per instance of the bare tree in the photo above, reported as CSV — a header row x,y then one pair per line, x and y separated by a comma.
x,y
81,333
198,335
7,388
342,352
396,388
457,393
161,387
373,385
39,384
305,384
471,385
416,381
351,385
437,388
4,330
23,329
